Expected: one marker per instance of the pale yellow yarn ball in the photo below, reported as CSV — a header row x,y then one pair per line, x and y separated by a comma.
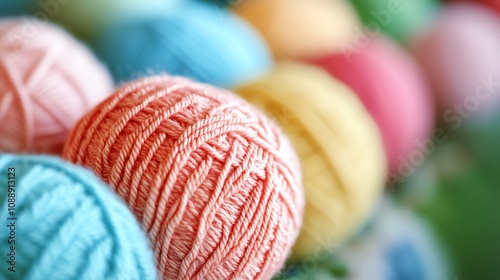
x,y
339,145
302,28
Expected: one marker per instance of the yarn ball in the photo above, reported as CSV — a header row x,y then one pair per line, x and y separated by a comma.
x,y
401,19
393,89
460,55
339,145
17,7
298,29
88,18
491,4
48,81
216,185
200,41
398,246
64,223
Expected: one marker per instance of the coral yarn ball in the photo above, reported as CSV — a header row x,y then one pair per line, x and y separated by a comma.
x,y
199,41
460,54
68,224
339,145
393,89
216,185
48,81
297,29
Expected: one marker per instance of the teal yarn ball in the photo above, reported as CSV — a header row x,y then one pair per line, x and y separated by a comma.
x,y
68,225
16,7
199,41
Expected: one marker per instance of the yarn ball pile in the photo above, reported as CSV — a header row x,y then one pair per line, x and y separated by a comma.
x,y
14,8
87,18
393,89
401,19
298,29
464,72
398,246
344,165
64,223
215,184
200,42
42,94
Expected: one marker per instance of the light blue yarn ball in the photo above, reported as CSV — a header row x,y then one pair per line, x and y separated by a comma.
x,y
198,40
69,225
16,7
397,246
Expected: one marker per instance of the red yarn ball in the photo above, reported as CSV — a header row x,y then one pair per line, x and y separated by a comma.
x,y
216,185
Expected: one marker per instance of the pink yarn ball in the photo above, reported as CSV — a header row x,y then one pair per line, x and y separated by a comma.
x,y
459,52
393,89
48,81
213,181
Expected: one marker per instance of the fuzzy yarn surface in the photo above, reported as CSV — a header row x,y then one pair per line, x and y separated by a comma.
x,y
199,41
215,184
48,81
65,223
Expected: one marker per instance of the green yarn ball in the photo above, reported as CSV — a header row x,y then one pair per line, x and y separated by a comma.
x,y
398,18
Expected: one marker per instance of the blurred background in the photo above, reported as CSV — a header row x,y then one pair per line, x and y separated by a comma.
x,y
426,73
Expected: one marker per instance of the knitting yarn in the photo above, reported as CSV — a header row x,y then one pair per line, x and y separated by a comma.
x,y
339,145
47,82
88,18
64,223
460,54
200,41
14,8
393,89
401,19
298,29
399,246
492,4
216,185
